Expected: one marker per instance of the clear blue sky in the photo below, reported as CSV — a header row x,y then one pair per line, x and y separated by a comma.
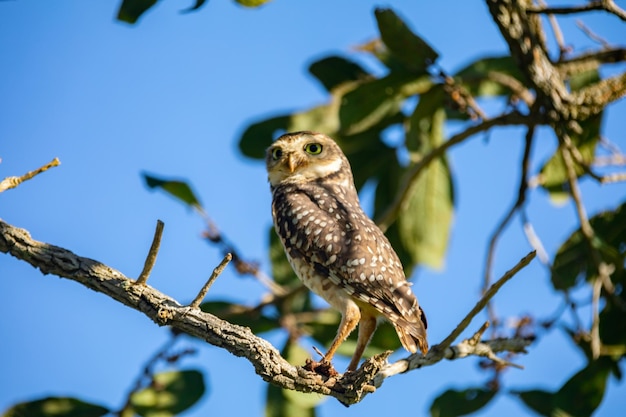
x,y
171,96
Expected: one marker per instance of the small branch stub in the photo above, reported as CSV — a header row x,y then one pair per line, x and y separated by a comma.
x,y
152,254
12,182
216,273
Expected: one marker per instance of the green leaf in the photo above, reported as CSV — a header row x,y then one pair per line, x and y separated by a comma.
x,y
56,407
259,135
574,259
537,400
454,403
553,176
583,393
170,393
425,221
176,188
415,54
334,71
476,76
197,5
287,403
368,155
252,3
372,101
241,315
578,397
131,10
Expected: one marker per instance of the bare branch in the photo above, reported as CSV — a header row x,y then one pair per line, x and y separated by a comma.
x,y
606,5
483,301
12,182
240,341
152,254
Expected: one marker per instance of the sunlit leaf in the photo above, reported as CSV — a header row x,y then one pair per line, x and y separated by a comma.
x,y
412,51
170,394
333,71
372,101
131,10
424,223
176,188
56,407
241,315
477,79
574,259
553,176
454,403
287,403
252,3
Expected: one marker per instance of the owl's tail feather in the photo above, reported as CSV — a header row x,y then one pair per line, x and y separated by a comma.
x,y
412,334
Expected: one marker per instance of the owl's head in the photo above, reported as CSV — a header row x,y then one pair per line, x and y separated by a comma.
x,y
301,157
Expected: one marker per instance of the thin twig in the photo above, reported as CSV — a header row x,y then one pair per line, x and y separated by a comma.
x,y
216,273
391,214
152,254
483,301
593,36
558,35
607,5
12,182
519,202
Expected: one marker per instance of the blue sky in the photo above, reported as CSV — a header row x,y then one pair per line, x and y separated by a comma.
x,y
171,96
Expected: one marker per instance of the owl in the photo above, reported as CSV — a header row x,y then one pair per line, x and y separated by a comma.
x,y
334,248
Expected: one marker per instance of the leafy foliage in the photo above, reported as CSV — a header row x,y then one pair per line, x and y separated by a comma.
x,y
56,407
454,403
170,394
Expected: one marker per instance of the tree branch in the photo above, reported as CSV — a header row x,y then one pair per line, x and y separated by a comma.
x,y
349,388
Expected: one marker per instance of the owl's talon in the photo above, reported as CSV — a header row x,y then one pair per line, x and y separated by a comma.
x,y
324,367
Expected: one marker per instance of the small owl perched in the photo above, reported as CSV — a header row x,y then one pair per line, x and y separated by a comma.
x,y
334,248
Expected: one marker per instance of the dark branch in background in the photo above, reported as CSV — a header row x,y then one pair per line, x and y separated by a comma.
x,y
390,216
213,235
519,202
240,341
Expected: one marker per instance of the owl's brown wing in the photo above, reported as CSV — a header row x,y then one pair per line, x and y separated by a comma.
x,y
343,244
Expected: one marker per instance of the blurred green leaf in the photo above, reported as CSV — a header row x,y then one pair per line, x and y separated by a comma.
x,y
424,223
583,393
537,400
415,54
131,10
288,403
368,155
240,315
252,3
477,80
370,102
176,188
574,259
454,403
197,5
334,71
169,394
56,407
259,135
580,396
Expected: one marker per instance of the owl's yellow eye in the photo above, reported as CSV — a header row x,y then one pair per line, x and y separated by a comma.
x,y
276,153
313,148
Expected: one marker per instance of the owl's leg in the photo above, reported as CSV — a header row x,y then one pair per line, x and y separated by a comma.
x,y
350,316
367,326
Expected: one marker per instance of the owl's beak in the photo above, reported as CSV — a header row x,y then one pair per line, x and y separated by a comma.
x,y
292,163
